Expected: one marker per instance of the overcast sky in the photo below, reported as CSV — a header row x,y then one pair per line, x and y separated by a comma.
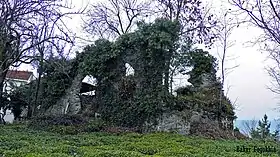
x,y
248,82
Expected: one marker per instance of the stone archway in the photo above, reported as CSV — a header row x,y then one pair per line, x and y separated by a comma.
x,y
71,102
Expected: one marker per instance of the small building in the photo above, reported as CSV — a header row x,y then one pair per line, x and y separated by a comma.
x,y
15,78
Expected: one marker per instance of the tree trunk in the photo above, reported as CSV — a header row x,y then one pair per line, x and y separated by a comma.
x,y
166,79
29,108
41,62
171,80
36,94
3,74
167,70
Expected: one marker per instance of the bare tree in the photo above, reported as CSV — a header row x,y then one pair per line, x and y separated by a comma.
x,y
226,24
112,18
27,26
196,20
47,50
225,43
274,72
249,126
265,15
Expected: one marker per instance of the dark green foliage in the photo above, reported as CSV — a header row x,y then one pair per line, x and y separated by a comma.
x,y
67,124
131,101
263,129
18,99
66,120
205,90
202,63
154,43
236,129
206,99
186,90
127,87
276,134
180,62
254,133
94,125
103,62
208,96
22,97
17,102
58,74
100,59
4,105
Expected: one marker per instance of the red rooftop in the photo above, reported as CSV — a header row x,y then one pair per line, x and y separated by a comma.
x,y
19,75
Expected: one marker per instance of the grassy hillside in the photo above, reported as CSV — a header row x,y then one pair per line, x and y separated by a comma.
x,y
18,141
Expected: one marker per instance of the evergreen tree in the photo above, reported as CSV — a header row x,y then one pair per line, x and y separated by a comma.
x,y
276,134
263,130
264,127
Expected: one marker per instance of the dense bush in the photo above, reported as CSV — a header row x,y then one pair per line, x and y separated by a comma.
x,y
66,120
61,123
207,99
185,90
132,101
73,124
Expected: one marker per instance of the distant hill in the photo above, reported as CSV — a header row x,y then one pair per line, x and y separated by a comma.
x,y
240,124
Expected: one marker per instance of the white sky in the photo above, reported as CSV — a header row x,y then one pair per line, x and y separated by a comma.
x,y
248,82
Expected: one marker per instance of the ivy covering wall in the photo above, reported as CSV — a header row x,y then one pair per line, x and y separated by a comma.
x,y
132,100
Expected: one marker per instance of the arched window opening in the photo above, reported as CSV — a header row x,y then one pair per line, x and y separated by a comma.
x,y
88,83
129,70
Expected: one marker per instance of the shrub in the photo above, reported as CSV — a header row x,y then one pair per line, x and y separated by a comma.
x,y
186,90
65,120
118,130
64,130
95,125
67,124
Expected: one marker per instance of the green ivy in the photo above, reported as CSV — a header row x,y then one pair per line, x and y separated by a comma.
x,y
105,60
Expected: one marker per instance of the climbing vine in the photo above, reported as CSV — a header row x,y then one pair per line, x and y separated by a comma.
x,y
131,101
145,49
58,75
206,87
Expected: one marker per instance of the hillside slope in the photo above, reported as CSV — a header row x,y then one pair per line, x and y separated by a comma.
x,y
18,141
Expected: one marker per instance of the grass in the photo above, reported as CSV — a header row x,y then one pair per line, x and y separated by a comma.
x,y
19,141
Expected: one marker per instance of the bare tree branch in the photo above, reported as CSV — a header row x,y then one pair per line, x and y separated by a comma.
x,y
265,15
112,18
31,25
249,126
196,20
